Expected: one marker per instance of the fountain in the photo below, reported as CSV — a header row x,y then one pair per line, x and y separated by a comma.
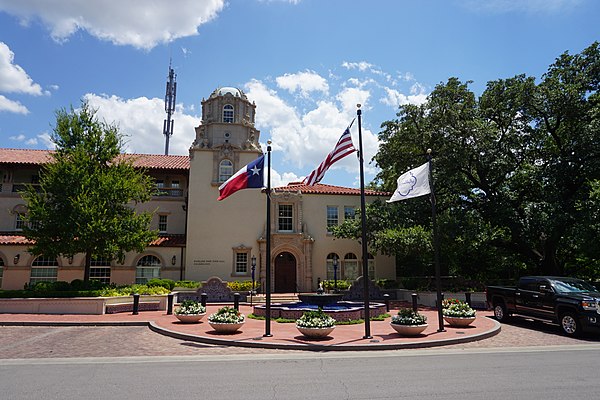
x,y
330,303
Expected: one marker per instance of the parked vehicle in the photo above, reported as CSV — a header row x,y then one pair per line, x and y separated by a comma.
x,y
572,303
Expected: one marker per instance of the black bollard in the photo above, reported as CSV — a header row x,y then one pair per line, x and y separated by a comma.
x,y
203,298
386,298
414,301
136,304
236,301
170,304
468,298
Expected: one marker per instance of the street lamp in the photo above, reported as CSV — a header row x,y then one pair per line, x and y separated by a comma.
x,y
335,266
253,269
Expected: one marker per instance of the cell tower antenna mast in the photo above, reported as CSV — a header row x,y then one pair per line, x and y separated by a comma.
x,y
170,97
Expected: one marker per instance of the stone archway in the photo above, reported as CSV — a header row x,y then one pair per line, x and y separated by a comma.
x,y
285,273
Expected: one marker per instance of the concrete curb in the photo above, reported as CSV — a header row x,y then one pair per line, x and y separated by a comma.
x,y
260,342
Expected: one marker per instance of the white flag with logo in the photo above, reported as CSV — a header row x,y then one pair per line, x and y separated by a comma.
x,y
413,183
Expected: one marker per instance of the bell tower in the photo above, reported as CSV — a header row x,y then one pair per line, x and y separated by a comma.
x,y
227,131
222,235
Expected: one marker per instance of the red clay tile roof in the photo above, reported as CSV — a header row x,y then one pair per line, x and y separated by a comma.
x,y
321,188
39,157
14,239
162,241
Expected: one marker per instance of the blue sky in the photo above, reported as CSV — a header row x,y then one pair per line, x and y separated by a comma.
x,y
306,64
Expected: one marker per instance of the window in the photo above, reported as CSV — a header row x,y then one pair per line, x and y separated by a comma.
x,y
350,267
148,267
162,223
228,113
160,183
175,184
44,269
241,263
1,270
332,273
225,170
19,222
349,212
332,217
285,221
100,269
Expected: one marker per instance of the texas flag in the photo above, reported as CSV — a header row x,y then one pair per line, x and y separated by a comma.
x,y
251,176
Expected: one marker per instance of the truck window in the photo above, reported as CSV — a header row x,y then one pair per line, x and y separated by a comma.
x,y
572,286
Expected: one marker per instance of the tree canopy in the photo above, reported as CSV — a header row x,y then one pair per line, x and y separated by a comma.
x,y
87,193
516,172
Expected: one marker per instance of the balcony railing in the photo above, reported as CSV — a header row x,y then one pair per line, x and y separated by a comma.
x,y
169,192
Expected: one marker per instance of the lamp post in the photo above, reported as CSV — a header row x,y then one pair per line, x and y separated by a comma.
x,y
253,269
335,267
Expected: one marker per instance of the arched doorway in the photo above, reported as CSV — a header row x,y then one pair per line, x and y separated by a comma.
x,y
285,273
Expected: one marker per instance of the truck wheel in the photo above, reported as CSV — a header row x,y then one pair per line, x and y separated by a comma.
x,y
569,324
500,312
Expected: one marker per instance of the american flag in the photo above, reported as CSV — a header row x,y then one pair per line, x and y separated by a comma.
x,y
343,147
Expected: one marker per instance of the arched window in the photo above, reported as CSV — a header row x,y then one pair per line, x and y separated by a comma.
x,y
43,269
331,275
228,113
225,170
350,267
100,269
148,267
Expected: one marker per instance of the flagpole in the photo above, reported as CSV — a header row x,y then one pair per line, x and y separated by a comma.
x,y
268,256
363,214
436,246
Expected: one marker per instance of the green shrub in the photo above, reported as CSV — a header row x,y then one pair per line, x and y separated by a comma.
x,y
242,286
341,284
387,284
188,284
166,283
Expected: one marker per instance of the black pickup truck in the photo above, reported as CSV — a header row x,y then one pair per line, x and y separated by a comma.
x,y
572,303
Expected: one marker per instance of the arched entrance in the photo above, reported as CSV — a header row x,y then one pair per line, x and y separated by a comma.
x,y
285,273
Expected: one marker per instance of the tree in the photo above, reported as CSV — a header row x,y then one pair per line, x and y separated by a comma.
x,y
513,168
85,200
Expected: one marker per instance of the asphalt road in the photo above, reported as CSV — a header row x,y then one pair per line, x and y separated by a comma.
x,y
524,373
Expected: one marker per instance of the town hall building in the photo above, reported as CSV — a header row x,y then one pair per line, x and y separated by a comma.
x,y
200,237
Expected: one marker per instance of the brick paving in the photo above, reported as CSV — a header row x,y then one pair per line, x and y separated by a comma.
x,y
99,340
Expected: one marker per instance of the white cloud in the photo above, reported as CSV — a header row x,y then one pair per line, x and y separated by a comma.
x,y
12,106
303,139
140,120
304,82
18,138
530,6
361,66
395,98
13,78
138,23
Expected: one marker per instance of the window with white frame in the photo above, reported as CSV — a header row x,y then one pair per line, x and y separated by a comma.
x,y
333,267
241,262
162,223
285,220
332,217
225,170
350,271
43,269
349,212
148,267
228,113
19,222
100,269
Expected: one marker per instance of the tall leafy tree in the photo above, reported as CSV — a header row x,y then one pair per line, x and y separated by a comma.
x,y
87,194
514,168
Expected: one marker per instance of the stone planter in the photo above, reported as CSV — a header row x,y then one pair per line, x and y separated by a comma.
x,y
409,330
190,318
459,321
315,333
226,328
